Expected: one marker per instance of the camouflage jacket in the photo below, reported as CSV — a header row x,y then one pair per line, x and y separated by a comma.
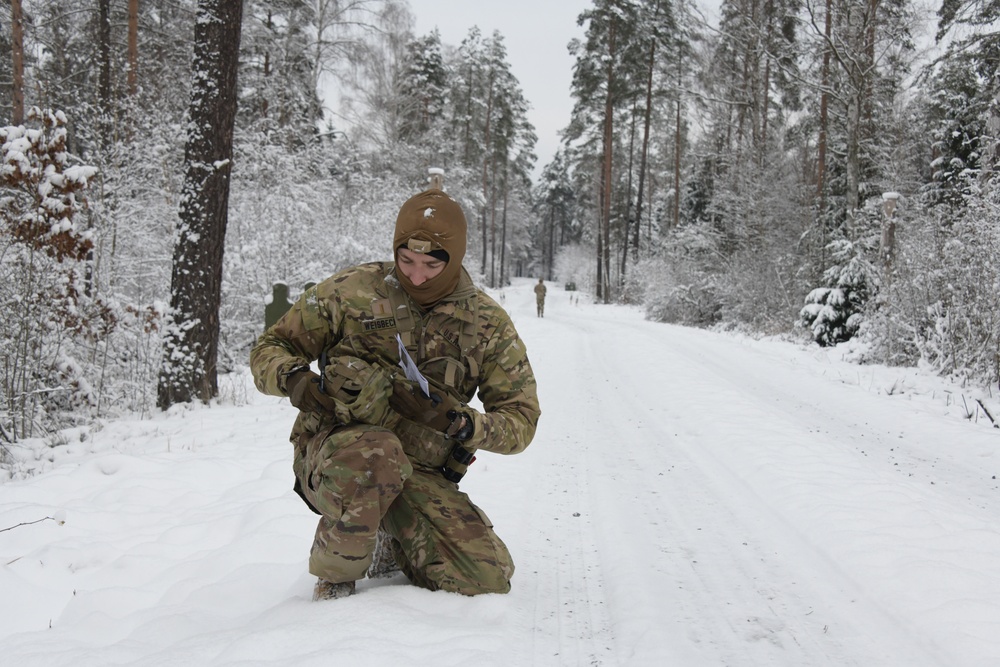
x,y
465,343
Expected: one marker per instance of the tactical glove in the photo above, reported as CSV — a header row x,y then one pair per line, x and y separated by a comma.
x,y
304,392
439,411
461,427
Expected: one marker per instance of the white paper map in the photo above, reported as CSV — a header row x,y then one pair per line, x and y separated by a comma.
x,y
410,368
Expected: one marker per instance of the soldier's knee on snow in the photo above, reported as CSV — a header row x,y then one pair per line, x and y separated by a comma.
x,y
487,580
498,584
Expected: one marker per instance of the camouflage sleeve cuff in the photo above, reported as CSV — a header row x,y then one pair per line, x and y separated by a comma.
x,y
478,431
285,374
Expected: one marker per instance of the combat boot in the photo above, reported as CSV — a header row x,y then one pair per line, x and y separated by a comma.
x,y
383,561
327,590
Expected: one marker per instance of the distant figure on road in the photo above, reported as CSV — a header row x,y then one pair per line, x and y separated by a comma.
x,y
540,297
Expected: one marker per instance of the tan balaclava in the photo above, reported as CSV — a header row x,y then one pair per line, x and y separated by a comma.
x,y
427,223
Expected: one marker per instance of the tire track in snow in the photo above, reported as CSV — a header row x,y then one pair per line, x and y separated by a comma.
x,y
704,506
549,488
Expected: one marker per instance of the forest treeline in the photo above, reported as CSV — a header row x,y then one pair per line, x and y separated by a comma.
x,y
795,166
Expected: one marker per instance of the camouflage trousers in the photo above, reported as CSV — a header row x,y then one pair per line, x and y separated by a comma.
x,y
358,478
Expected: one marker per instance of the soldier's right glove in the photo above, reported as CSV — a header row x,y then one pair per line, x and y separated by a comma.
x,y
305,393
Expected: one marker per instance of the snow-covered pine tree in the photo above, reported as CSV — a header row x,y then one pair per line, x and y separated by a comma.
x,y
51,318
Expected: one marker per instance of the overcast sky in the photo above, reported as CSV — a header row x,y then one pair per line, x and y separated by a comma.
x,y
536,33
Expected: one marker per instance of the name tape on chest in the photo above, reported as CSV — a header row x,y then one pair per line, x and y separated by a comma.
x,y
381,316
379,324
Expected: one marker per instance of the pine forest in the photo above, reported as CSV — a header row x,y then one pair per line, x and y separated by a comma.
x,y
815,169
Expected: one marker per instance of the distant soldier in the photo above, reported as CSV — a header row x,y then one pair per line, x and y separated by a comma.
x,y
379,452
540,297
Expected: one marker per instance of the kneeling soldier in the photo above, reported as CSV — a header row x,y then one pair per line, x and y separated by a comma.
x,y
376,448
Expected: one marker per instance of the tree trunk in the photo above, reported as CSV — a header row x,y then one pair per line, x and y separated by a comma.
x,y
852,165
991,160
503,229
769,39
598,287
486,144
104,76
649,205
133,47
866,128
552,238
753,57
191,341
869,74
467,133
645,146
17,39
824,109
493,221
604,234
765,110
628,204
677,159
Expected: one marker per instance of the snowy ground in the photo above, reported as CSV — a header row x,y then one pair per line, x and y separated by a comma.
x,y
690,499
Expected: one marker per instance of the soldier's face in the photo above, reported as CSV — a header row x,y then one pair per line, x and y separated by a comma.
x,y
418,268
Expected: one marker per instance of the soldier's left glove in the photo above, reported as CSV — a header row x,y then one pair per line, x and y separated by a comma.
x,y
442,413
438,411
461,427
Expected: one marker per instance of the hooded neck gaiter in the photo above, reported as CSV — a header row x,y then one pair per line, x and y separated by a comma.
x,y
430,221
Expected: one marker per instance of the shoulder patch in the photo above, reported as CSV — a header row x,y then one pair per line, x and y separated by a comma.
x,y
312,317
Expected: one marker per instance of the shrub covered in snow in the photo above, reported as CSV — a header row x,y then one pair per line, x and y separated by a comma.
x,y
834,314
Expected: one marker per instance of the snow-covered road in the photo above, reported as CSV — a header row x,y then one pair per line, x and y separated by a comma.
x,y
691,498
